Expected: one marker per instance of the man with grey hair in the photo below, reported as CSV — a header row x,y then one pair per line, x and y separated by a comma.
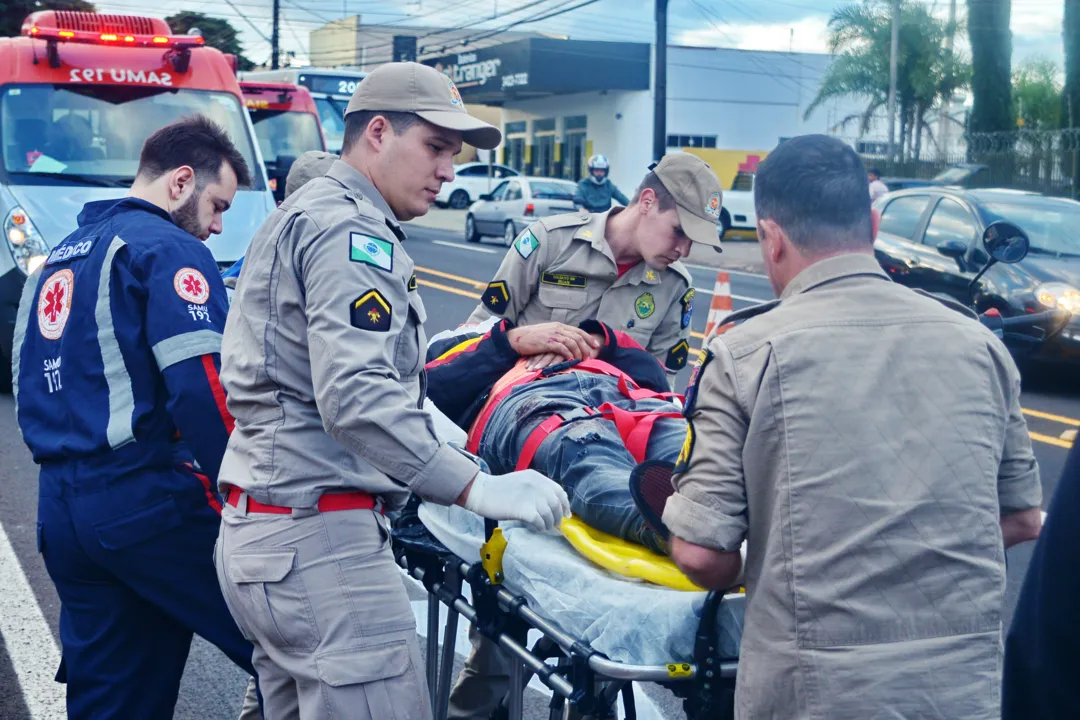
x,y
866,441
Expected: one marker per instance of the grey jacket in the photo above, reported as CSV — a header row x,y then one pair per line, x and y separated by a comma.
x,y
323,357
864,440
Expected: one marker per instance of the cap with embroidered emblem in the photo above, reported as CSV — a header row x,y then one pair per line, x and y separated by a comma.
x,y
697,195
414,88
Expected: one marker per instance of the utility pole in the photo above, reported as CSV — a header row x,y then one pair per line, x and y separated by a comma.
x,y
660,83
893,50
275,37
944,121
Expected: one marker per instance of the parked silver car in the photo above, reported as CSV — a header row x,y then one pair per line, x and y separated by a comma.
x,y
514,204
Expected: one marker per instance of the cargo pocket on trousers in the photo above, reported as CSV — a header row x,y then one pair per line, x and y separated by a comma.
x,y
277,608
140,525
385,676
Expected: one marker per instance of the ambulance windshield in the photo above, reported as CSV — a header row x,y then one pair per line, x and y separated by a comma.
x,y
93,134
285,133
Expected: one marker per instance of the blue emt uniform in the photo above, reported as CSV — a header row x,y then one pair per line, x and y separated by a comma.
x,y
117,357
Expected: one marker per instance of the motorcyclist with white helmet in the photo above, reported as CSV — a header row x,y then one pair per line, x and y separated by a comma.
x,y
595,192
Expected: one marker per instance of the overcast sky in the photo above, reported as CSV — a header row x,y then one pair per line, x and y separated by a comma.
x,y
749,24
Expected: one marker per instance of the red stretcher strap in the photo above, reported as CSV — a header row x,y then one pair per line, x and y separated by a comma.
x,y
634,427
329,502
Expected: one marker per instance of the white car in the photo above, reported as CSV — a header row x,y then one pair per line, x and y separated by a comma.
x,y
471,180
737,212
515,203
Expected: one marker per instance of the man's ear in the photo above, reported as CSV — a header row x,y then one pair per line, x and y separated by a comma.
x,y
180,181
375,132
772,239
647,200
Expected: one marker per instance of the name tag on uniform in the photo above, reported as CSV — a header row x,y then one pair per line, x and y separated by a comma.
x,y
71,250
567,280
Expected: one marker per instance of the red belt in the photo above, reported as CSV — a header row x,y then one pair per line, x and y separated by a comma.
x,y
330,502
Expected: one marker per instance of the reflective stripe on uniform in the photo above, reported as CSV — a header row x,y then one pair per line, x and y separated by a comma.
x,y
121,395
22,319
183,347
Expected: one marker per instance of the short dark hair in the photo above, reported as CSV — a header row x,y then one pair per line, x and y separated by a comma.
x,y
197,142
356,123
814,187
873,171
664,199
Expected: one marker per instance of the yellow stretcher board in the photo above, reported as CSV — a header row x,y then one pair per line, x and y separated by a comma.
x,y
625,558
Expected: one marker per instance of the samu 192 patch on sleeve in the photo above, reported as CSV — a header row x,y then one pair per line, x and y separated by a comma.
x,y
371,311
497,297
526,244
676,357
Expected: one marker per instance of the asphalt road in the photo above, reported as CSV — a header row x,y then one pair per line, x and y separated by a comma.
x,y
451,274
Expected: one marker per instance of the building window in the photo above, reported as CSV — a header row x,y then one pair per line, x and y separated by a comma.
x,y
545,125
578,122
516,127
691,141
871,148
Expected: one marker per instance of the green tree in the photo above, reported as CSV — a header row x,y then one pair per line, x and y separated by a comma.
x,y
1036,94
991,64
13,12
860,37
216,32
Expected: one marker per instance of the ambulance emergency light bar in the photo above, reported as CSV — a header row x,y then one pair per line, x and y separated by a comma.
x,y
99,29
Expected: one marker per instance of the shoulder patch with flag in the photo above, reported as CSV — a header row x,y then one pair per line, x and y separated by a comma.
x,y
370,311
526,244
371,251
687,307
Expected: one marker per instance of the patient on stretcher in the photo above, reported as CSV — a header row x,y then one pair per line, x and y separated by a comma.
x,y
585,423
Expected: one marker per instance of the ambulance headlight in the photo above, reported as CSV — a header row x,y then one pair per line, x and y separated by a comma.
x,y
27,247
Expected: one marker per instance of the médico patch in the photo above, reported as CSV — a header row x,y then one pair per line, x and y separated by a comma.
x,y
54,304
191,286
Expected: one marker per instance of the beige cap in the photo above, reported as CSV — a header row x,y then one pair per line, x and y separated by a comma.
x,y
697,195
415,88
310,165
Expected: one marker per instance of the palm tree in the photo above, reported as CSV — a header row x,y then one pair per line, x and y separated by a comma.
x,y
860,35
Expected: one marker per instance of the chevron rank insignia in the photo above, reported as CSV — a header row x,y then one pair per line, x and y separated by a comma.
x,y
497,297
676,357
412,283
371,311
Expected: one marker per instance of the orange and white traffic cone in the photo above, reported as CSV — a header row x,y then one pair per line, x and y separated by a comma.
x,y
720,307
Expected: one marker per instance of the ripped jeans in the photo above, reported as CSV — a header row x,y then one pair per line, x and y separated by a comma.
x,y
587,457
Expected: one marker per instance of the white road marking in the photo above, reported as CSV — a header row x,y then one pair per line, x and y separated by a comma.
x,y
714,270
459,246
28,639
703,291
646,708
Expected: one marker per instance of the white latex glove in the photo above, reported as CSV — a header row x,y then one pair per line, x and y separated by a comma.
x,y
525,495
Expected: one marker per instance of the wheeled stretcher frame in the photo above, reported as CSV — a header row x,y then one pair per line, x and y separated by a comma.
x,y
587,679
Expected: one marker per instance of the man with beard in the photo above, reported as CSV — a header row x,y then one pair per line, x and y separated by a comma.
x,y
117,395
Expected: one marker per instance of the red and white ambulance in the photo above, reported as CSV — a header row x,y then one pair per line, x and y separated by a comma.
x,y
79,94
286,126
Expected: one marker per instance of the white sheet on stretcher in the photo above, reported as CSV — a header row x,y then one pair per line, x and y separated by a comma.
x,y
630,622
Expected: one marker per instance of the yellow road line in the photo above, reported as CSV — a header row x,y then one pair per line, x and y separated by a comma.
x,y
1050,440
1053,418
448,276
447,288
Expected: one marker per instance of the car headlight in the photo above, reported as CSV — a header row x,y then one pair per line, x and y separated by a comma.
x,y
27,247
1059,295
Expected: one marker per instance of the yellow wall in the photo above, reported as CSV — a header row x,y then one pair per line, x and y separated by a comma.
x,y
725,163
490,115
